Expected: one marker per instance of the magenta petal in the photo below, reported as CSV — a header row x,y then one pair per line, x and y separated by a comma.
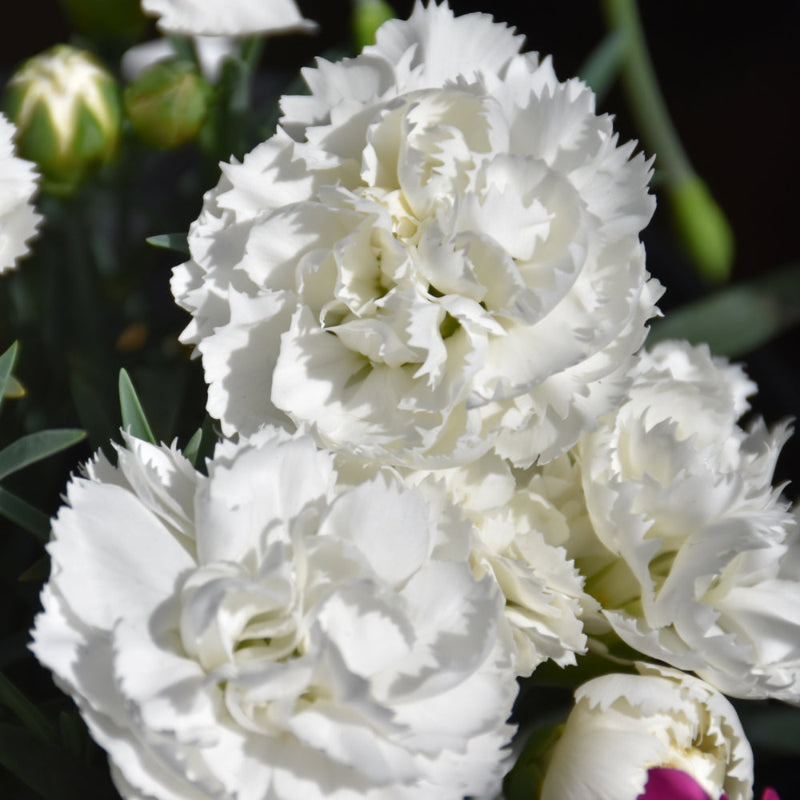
x,y
664,783
770,794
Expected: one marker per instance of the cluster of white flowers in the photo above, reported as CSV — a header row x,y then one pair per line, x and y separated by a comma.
x,y
18,218
698,542
419,306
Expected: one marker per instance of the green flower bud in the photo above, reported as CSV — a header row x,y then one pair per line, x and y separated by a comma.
x,y
168,103
117,20
66,107
368,16
703,228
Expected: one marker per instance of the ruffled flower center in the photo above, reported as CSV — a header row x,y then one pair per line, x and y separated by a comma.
x,y
230,617
444,241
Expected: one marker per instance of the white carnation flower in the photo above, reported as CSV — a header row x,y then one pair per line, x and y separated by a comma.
x,y
18,218
698,559
622,726
266,632
514,524
227,17
436,254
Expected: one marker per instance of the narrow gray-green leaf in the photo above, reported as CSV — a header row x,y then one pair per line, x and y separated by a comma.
x,y
26,711
170,241
736,321
7,361
25,515
133,416
49,770
603,64
183,48
38,572
36,446
193,446
93,405
13,389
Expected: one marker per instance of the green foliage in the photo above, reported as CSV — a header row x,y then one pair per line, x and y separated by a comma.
x,y
25,711
7,362
703,229
170,241
737,320
25,515
50,770
134,419
524,781
368,16
36,446
603,64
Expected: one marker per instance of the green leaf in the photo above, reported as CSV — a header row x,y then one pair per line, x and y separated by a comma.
x,y
7,361
27,713
74,735
38,572
36,446
92,399
604,63
49,770
736,321
24,515
525,779
133,416
183,48
170,241
14,389
193,446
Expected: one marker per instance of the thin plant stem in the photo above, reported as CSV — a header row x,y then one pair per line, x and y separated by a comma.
x,y
644,93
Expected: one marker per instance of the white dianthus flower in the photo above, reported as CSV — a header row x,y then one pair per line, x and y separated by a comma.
x,y
623,726
18,218
515,525
436,254
267,632
227,17
697,542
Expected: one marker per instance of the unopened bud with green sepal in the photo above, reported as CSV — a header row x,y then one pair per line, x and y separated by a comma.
x,y
368,16
66,107
168,103
703,228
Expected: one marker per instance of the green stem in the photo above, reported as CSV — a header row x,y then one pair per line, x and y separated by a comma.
x,y
647,101
251,52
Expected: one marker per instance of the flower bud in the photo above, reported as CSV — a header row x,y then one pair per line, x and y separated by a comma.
x,y
704,229
168,103
660,734
66,108
368,16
